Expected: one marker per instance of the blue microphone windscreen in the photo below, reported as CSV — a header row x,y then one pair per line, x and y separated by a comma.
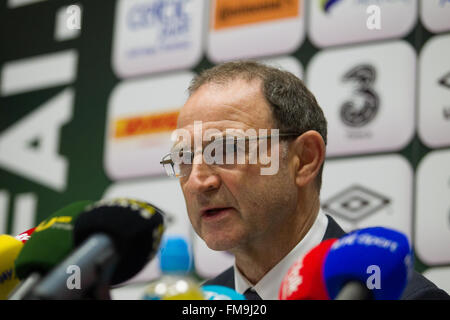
x,y
377,257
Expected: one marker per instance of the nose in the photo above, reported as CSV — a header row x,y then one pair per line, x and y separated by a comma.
x,y
202,177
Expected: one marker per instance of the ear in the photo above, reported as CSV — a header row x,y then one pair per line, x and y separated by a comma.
x,y
309,149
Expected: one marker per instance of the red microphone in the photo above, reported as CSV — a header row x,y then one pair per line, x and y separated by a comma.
x,y
304,279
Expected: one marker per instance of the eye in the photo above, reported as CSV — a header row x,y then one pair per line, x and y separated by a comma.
x,y
181,156
187,156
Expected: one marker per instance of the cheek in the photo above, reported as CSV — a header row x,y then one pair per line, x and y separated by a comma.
x,y
272,195
252,193
245,183
234,181
190,204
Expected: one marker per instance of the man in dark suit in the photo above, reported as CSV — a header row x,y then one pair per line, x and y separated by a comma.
x,y
266,212
418,288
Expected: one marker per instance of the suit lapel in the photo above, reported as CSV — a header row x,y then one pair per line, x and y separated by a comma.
x,y
333,230
227,277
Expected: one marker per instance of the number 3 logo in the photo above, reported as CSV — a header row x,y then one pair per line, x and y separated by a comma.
x,y
364,106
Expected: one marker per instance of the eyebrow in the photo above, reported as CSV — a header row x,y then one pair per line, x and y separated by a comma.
x,y
181,145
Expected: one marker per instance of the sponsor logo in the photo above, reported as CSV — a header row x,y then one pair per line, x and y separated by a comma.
x,y
167,23
364,105
55,222
358,99
169,16
231,13
145,124
355,203
365,239
157,35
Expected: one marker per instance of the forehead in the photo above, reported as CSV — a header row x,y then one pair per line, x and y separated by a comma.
x,y
238,103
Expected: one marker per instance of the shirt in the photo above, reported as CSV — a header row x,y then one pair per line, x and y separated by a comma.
x,y
267,288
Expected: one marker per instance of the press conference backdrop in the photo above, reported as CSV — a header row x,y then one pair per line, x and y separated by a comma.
x,y
90,92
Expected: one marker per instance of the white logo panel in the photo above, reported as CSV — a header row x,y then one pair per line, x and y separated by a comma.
x,y
287,63
142,114
433,208
434,94
249,28
435,15
157,35
346,21
367,95
373,191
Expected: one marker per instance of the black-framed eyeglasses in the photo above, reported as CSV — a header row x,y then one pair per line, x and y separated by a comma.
x,y
221,151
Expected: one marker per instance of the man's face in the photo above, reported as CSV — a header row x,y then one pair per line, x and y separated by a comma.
x,y
233,207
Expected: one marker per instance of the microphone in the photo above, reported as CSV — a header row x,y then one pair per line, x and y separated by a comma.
x,y
304,279
26,235
216,292
9,249
114,240
51,242
371,263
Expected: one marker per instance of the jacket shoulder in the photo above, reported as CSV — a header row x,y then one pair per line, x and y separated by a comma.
x,y
225,279
420,288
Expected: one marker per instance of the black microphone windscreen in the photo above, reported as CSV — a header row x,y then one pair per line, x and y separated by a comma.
x,y
135,227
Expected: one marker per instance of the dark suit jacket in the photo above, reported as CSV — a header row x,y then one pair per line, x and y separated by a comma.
x,y
418,288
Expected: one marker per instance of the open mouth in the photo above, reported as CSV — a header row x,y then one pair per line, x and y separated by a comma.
x,y
211,213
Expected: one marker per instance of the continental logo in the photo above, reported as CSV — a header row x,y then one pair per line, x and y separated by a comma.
x,y
233,13
145,124
63,220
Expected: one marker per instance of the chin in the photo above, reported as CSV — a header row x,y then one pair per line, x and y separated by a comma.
x,y
220,245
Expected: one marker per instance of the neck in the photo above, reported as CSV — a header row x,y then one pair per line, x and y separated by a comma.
x,y
256,259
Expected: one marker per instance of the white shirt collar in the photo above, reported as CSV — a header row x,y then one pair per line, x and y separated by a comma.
x,y
268,287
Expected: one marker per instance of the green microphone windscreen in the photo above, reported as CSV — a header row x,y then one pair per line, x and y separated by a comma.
x,y
51,242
